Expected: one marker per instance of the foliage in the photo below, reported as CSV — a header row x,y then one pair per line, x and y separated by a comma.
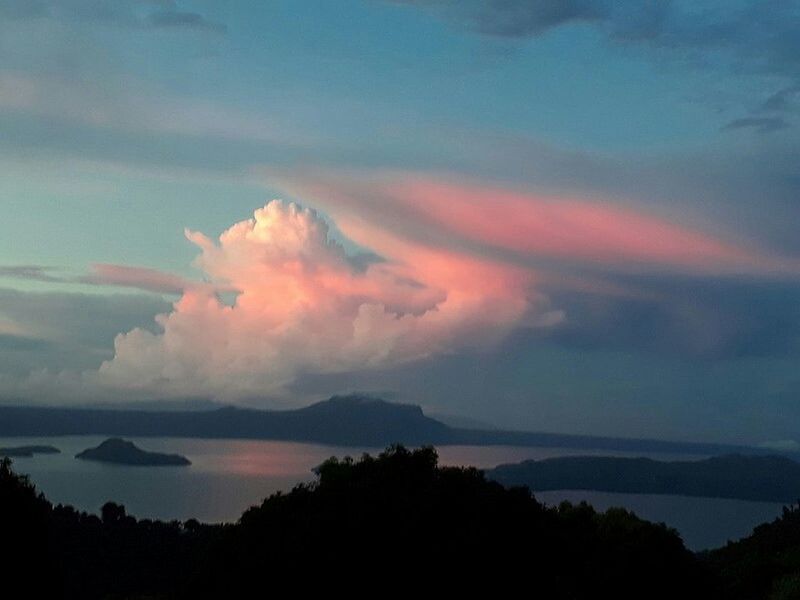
x,y
387,524
402,523
764,565
59,552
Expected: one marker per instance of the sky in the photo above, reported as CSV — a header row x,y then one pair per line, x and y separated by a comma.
x,y
576,216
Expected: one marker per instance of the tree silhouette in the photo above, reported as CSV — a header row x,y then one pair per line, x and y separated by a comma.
x,y
394,523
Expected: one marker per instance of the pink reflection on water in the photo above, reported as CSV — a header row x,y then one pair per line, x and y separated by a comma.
x,y
289,461
272,459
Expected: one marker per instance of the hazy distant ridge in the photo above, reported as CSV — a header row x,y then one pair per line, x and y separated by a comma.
x,y
341,420
761,478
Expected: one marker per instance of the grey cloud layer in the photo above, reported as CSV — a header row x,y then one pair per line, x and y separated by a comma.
x,y
183,20
526,18
670,24
67,330
686,353
760,124
757,36
516,18
673,316
30,272
159,15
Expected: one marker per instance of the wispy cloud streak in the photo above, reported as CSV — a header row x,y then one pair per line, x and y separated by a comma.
x,y
524,227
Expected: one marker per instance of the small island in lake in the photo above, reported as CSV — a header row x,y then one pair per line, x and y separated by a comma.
x,y
123,452
27,451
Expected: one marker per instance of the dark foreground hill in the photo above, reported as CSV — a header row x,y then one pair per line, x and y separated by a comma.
x,y
764,478
354,420
396,523
764,565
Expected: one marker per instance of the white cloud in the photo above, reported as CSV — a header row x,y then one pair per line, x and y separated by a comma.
x,y
304,306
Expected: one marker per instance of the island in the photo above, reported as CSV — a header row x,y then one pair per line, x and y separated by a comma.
x,y
123,452
354,420
735,476
27,451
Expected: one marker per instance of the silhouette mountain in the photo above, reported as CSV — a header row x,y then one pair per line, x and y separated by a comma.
x,y
353,420
116,450
761,478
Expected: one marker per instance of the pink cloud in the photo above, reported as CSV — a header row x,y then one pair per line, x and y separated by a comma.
x,y
457,270
515,226
304,306
151,280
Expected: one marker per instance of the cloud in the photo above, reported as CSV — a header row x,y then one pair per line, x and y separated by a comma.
x,y
521,228
30,272
141,278
460,266
781,445
151,280
517,19
784,100
759,124
106,107
678,27
305,306
126,14
59,331
680,316
174,19
514,18
20,343
709,36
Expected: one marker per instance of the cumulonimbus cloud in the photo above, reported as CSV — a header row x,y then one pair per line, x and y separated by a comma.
x,y
303,305
456,267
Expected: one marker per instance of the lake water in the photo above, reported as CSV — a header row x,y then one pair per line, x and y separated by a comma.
x,y
228,476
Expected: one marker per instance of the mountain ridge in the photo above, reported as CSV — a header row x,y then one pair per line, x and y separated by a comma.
x,y
349,420
767,478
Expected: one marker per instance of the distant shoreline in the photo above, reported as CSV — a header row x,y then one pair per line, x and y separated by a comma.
x,y
27,451
340,421
734,476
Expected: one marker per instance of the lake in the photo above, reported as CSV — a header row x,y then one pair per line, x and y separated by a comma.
x,y
228,476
